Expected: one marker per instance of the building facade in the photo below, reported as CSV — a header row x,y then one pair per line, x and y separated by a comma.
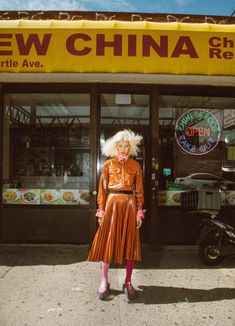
x,y
71,80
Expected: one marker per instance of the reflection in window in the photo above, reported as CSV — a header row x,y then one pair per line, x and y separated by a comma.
x,y
124,109
229,141
47,145
120,111
179,169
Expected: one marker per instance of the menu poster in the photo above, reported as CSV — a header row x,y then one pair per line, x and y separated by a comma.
x,y
21,196
169,198
173,198
229,197
46,196
229,118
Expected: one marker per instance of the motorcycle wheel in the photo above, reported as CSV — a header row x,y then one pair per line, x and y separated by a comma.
x,y
207,254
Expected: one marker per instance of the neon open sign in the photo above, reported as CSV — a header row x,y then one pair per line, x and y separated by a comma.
x,y
197,131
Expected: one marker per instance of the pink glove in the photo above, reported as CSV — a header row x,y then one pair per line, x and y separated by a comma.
x,y
99,212
140,213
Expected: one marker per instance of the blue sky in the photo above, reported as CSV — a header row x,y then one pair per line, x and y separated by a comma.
x,y
201,7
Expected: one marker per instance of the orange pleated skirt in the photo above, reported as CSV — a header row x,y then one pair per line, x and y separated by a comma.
x,y
117,237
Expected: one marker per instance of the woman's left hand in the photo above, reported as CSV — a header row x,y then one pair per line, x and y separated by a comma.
x,y
139,222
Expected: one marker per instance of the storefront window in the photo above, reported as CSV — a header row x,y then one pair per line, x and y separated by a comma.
x,y
124,111
46,149
197,147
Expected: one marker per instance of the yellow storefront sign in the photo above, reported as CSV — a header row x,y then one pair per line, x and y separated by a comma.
x,y
115,46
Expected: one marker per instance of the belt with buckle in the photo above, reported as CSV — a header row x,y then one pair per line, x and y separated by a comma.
x,y
127,192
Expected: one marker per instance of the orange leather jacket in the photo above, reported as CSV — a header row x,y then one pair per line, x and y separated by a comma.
x,y
121,175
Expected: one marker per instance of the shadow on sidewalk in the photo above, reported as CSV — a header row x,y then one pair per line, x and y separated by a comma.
x,y
32,256
165,295
176,259
180,259
56,255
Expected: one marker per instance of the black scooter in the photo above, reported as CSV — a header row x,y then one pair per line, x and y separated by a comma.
x,y
216,241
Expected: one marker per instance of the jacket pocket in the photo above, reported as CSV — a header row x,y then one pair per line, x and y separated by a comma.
x,y
114,175
130,176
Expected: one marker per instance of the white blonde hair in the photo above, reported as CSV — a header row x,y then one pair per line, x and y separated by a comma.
x,y
109,148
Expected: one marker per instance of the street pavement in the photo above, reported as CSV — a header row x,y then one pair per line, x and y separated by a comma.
x,y
55,286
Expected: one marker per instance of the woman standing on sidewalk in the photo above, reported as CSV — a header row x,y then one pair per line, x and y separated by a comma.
x,y
120,213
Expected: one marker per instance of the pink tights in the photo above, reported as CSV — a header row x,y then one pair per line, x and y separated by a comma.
x,y
129,269
104,277
105,270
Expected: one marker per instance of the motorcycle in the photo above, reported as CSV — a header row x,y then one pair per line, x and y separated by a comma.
x,y
216,241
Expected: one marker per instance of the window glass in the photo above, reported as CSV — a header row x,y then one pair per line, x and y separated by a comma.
x,y
197,146
46,149
124,111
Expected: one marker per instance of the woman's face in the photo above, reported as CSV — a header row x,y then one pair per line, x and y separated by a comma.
x,y
123,147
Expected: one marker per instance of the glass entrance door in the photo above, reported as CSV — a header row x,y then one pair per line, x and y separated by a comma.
x,y
127,111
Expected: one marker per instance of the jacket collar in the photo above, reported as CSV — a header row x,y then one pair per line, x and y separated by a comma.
x,y
122,157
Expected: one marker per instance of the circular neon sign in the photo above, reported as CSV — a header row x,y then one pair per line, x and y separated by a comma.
x,y
197,131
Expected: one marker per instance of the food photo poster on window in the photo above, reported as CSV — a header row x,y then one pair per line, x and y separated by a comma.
x,y
46,196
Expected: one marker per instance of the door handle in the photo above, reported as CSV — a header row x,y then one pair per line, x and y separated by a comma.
x,y
94,192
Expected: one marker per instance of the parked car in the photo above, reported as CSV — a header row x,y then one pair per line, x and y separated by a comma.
x,y
205,180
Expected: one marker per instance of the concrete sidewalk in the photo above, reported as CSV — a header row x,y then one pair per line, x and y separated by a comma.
x,y
56,286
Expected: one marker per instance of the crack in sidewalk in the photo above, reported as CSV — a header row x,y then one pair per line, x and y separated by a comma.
x,y
7,272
